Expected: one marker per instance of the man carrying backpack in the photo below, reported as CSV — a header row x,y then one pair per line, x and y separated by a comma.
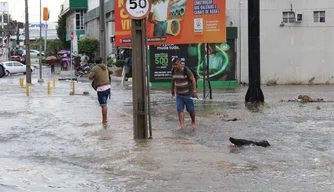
x,y
184,83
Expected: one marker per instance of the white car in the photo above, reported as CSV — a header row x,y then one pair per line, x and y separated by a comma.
x,y
33,53
14,67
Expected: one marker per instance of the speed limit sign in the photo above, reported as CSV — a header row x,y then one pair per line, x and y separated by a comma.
x,y
137,9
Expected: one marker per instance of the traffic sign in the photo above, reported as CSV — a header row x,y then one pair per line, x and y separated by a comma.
x,y
72,36
137,9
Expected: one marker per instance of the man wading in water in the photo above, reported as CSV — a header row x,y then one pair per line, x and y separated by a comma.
x,y
183,81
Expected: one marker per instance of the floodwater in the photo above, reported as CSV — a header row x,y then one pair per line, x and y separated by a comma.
x,y
56,142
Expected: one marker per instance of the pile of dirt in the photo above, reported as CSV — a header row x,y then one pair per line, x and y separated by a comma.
x,y
307,98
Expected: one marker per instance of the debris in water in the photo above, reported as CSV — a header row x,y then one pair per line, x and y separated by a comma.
x,y
242,142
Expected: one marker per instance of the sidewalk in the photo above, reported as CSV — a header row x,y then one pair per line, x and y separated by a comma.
x,y
69,74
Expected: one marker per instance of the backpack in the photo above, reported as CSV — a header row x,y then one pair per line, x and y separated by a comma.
x,y
185,73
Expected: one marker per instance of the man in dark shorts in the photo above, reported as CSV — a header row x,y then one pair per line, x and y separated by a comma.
x,y
100,74
185,87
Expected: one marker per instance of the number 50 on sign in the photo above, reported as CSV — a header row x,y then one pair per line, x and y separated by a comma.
x,y
137,9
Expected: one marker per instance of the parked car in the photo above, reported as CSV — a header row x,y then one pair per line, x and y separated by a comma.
x,y
18,58
14,67
33,53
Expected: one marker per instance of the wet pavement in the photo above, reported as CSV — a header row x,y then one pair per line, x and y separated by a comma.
x,y
56,142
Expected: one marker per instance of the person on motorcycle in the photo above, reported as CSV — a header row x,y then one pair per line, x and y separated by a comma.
x,y
84,62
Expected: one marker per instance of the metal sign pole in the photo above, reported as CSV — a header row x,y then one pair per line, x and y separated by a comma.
x,y
148,86
27,42
71,59
40,80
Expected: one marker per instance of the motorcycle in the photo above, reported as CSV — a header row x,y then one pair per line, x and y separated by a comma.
x,y
83,70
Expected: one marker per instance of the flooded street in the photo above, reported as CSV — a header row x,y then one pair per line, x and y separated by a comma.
x,y
56,142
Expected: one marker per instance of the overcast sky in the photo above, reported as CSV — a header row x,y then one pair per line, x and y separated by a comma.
x,y
17,9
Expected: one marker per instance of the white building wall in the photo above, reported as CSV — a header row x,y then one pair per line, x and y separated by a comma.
x,y
92,4
237,13
92,29
294,53
110,32
93,26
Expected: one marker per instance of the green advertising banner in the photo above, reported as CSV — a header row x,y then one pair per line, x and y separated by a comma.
x,y
221,60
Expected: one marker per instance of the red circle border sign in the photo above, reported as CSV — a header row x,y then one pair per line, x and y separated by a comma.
x,y
136,17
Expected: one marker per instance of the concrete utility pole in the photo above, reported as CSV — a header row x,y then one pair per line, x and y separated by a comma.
x,y
102,32
27,41
40,80
139,88
254,93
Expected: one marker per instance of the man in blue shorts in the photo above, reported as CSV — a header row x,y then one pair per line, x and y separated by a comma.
x,y
185,87
100,74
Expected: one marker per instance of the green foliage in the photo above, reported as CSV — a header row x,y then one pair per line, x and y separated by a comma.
x,y
212,111
120,63
36,44
265,106
61,32
88,46
257,107
303,101
53,46
110,61
318,107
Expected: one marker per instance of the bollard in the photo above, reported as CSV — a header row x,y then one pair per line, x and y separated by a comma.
x,y
54,83
27,89
49,88
73,87
21,82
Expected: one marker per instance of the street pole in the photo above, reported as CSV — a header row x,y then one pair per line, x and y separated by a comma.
x,y
102,32
148,86
40,80
139,88
254,93
17,34
45,37
3,28
71,58
27,42
138,11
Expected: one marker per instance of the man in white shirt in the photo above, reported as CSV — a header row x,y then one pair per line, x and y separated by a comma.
x,y
159,11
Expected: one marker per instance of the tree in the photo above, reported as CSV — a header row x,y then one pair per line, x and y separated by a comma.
x,y
36,44
88,46
53,46
61,32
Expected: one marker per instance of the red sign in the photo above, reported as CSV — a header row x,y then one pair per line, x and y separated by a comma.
x,y
72,36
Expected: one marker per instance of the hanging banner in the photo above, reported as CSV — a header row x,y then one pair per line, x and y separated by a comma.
x,y
176,22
